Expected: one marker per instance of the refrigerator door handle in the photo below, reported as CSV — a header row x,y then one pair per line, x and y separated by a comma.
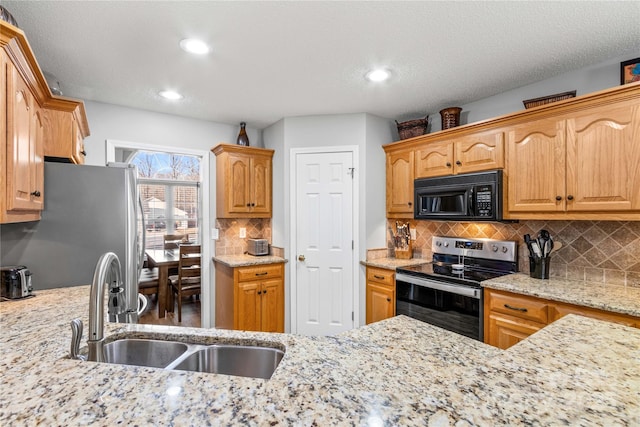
x,y
144,236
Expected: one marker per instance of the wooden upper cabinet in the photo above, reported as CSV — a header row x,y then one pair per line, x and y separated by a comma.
x,y
400,177
24,151
65,134
243,181
465,154
536,166
603,159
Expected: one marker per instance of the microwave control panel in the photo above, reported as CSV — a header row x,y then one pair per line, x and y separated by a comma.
x,y
483,200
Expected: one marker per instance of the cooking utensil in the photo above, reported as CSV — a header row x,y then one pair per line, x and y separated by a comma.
x,y
543,240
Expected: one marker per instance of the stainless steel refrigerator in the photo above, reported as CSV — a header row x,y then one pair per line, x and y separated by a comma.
x,y
88,210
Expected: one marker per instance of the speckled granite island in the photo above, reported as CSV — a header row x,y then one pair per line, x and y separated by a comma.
x,y
577,371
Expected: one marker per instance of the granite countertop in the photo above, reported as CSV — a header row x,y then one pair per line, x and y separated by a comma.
x,y
609,297
400,371
246,260
392,263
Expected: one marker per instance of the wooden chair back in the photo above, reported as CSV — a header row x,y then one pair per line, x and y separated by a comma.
x,y
189,261
173,241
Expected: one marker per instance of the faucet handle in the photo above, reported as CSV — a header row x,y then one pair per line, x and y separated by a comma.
x,y
76,337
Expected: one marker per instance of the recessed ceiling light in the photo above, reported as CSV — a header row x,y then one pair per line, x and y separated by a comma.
x,y
194,46
378,75
169,94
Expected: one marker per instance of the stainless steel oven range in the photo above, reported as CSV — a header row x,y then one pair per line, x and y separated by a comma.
x,y
446,292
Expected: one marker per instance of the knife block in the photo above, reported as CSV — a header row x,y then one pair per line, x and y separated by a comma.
x,y
404,253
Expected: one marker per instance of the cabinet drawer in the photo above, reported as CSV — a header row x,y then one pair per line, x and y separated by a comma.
x,y
259,272
380,275
519,306
559,310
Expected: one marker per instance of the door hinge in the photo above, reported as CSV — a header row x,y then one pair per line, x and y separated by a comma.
x,y
353,316
353,245
352,172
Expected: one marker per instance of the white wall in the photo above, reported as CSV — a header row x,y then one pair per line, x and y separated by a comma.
x,y
586,80
365,131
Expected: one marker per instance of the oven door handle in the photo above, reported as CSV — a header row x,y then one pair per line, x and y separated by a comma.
x,y
446,287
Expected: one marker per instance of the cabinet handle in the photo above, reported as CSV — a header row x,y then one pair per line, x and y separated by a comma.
x,y
378,277
569,197
264,292
253,204
458,162
36,193
84,153
259,292
558,198
510,307
264,273
248,205
388,299
409,203
448,164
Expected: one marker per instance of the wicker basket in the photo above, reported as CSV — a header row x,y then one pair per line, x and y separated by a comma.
x,y
530,103
412,128
450,117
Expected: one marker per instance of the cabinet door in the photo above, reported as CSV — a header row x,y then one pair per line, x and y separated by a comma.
x,y
380,302
400,184
247,307
603,158
260,185
78,144
505,331
272,306
475,153
24,129
238,188
434,159
535,171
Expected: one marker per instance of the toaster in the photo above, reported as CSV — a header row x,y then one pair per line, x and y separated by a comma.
x,y
258,247
16,282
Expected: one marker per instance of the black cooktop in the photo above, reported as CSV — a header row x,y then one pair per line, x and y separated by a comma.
x,y
471,275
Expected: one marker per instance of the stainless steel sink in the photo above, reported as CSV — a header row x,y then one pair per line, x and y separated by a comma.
x,y
239,360
139,352
244,361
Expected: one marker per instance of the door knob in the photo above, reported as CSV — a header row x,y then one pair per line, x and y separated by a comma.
x,y
301,258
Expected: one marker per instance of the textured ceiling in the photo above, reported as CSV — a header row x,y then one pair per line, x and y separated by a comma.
x,y
279,59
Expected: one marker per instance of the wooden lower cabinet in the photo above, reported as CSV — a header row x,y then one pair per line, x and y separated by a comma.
x,y
510,318
381,294
250,298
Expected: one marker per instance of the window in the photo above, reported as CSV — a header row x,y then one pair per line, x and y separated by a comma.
x,y
169,186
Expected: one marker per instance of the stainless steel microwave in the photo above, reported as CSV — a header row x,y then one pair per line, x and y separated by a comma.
x,y
467,197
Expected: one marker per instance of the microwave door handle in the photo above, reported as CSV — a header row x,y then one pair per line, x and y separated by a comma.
x,y
471,209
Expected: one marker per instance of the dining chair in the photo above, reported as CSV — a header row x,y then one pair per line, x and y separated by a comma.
x,y
148,282
173,241
188,280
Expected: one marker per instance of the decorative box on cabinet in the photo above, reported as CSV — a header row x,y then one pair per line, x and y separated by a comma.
x,y
381,294
250,298
243,181
464,154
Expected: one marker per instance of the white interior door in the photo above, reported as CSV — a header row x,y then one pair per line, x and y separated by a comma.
x,y
324,283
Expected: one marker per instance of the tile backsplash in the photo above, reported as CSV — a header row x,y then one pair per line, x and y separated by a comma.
x,y
229,241
596,251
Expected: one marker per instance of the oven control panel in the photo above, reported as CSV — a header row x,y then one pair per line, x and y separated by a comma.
x,y
503,250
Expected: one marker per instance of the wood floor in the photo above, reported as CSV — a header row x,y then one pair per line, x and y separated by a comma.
x,y
190,314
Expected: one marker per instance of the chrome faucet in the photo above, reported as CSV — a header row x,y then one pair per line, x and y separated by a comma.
x,y
107,274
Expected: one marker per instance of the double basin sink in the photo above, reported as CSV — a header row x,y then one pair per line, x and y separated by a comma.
x,y
240,360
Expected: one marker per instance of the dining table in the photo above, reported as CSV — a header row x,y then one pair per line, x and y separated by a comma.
x,y
164,259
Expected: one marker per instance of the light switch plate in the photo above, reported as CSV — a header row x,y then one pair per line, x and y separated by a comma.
x,y
413,233
243,232
215,234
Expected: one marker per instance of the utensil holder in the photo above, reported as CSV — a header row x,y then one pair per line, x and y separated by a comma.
x,y
404,253
539,267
